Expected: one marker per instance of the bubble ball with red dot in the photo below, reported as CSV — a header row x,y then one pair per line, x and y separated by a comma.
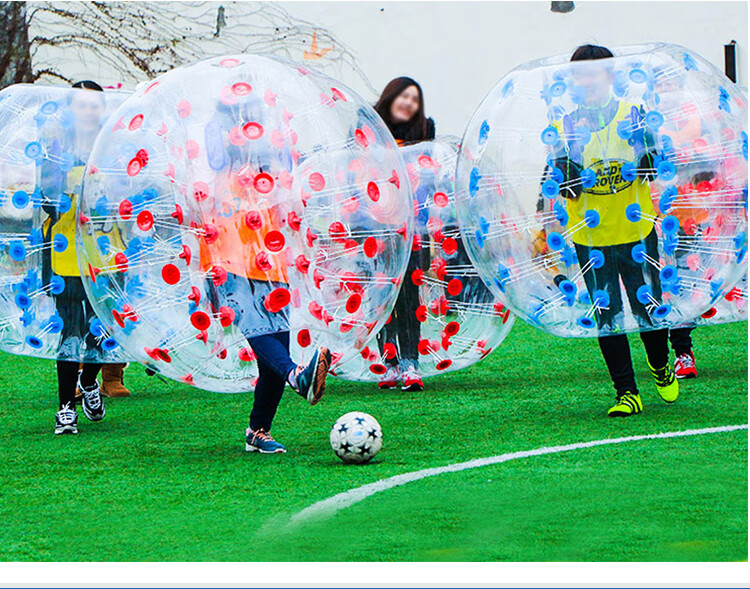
x,y
609,195
253,196
445,317
46,134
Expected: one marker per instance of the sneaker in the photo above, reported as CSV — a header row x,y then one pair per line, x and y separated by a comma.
x,y
666,382
626,405
684,366
412,381
311,379
93,404
390,378
66,421
261,441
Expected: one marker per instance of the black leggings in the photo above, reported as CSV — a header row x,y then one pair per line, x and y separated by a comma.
x,y
67,380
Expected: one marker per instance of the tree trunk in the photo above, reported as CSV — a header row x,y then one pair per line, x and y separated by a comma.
x,y
15,57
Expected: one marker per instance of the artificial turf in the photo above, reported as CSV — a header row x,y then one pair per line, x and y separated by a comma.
x,y
165,477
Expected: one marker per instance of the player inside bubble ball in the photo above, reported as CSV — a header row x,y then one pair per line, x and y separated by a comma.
x,y
59,187
401,106
246,261
597,203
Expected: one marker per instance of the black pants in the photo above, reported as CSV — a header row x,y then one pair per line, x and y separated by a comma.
x,y
274,366
620,265
682,342
616,352
403,329
76,340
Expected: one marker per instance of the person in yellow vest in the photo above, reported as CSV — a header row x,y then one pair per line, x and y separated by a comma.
x,y
609,191
60,187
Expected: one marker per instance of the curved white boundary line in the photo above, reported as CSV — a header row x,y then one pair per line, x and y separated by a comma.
x,y
330,506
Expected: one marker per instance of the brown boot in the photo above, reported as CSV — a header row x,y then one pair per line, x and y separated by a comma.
x,y
112,384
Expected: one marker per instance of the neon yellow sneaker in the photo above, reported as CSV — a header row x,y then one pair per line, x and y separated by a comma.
x,y
666,382
627,404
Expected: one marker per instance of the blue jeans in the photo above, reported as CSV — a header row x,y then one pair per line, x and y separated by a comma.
x,y
274,365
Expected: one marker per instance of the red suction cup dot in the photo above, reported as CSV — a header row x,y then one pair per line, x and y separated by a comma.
x,y
170,274
200,320
274,241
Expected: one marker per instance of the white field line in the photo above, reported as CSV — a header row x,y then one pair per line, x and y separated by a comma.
x,y
330,506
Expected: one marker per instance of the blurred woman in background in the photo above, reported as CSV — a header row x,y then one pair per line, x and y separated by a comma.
x,y
401,106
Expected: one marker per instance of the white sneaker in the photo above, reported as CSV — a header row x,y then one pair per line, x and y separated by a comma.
x,y
93,404
390,378
66,421
412,381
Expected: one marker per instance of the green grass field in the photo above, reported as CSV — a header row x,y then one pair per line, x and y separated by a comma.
x,y
165,475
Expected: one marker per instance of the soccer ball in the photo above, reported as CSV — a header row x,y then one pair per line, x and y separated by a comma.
x,y
356,437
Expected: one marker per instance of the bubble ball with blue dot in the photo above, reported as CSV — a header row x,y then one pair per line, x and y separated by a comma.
x,y
604,196
46,136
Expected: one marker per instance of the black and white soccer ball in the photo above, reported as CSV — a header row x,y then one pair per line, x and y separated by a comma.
x,y
356,437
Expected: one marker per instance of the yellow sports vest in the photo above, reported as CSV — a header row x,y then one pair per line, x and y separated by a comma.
x,y
65,263
605,154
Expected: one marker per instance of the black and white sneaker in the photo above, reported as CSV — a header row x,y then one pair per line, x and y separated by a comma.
x,y
66,421
93,404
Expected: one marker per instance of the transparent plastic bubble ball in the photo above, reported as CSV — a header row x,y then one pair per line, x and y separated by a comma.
x,y
251,196
608,196
46,135
445,317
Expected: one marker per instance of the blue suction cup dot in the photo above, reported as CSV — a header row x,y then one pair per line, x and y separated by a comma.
x,y
48,108
568,288
34,342
666,171
558,89
628,171
668,273
654,120
662,311
597,258
550,188
670,224
638,253
555,241
484,131
633,212
55,324
586,322
601,298
550,136
109,344
60,243
33,150
17,250
591,218
20,199
588,178
643,294
638,76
